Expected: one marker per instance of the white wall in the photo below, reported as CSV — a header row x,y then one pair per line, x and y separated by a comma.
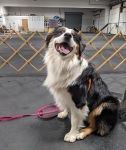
x,y
96,20
3,10
107,16
3,13
122,26
114,19
87,17
34,22
124,9
101,20
117,18
51,8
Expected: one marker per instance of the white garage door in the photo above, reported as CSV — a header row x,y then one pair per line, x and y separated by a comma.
x,y
113,19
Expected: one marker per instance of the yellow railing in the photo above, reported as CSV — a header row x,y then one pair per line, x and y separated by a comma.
x,y
17,51
109,42
38,51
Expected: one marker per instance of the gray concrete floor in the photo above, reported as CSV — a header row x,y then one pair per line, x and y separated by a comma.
x,y
22,95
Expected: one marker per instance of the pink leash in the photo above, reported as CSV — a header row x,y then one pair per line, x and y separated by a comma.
x,y
40,113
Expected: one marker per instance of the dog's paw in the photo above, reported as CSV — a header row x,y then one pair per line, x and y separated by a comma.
x,y
69,137
63,114
80,136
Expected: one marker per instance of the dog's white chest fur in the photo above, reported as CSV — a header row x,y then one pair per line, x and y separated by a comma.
x,y
62,73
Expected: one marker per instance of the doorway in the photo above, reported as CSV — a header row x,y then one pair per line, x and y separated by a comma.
x,y
73,20
25,24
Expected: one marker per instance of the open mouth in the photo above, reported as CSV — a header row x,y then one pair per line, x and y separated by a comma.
x,y
63,48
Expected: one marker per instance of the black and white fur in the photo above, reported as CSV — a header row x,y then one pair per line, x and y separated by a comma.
x,y
68,80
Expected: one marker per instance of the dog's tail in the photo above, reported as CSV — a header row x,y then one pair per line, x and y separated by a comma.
x,y
122,110
108,118
122,114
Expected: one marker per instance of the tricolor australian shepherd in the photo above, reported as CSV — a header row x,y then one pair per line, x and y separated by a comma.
x,y
77,87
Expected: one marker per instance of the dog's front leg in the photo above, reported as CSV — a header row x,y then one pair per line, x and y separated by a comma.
x,y
63,114
72,135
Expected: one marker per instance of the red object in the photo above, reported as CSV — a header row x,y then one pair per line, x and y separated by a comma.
x,y
40,113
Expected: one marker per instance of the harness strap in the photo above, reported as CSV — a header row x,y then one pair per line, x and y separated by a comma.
x,y
89,84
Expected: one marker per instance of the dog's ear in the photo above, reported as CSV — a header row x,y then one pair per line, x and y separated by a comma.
x,y
50,35
82,47
76,30
48,38
78,38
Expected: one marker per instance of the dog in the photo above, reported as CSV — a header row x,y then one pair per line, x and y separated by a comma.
x,y
77,88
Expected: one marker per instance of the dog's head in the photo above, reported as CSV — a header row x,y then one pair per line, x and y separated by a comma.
x,y
65,42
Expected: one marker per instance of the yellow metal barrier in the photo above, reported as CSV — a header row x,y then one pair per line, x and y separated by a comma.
x,y
37,51
16,51
109,42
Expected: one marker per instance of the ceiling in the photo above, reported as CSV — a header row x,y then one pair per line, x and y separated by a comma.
x,y
61,3
55,3
113,2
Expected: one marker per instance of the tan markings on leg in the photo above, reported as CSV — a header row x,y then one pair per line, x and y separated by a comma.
x,y
97,111
91,118
90,129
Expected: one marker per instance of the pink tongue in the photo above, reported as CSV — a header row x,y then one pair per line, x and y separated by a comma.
x,y
63,50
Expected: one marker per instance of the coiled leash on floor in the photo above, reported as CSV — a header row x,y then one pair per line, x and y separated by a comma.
x,y
40,113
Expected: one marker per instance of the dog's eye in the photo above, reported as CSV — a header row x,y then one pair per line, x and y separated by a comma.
x,y
74,37
60,32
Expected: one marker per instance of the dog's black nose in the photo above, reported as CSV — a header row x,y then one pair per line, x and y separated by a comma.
x,y
67,36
